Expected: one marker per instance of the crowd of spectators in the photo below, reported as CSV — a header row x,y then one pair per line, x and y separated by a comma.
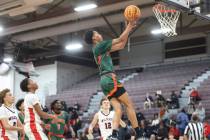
x,y
180,126
160,100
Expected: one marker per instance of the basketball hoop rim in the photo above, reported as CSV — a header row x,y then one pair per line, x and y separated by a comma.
x,y
161,8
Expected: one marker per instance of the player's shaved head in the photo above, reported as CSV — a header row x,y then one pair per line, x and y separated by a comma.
x,y
24,85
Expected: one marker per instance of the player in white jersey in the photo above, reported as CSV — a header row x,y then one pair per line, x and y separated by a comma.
x,y
104,118
10,124
33,111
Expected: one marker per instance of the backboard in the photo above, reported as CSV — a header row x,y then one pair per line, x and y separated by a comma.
x,y
199,8
26,69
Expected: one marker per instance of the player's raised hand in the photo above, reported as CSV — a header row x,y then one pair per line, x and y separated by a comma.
x,y
131,24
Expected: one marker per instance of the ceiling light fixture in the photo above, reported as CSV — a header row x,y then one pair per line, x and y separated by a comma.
x,y
74,46
8,59
1,28
159,31
85,7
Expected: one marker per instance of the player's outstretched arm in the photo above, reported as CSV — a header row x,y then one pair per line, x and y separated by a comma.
x,y
93,123
43,114
119,43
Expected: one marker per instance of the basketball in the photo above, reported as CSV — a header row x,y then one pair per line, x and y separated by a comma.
x,y
132,13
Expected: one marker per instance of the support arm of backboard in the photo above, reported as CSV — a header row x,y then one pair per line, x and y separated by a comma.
x,y
138,26
110,26
191,23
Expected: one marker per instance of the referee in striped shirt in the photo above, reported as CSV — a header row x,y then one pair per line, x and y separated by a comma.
x,y
194,129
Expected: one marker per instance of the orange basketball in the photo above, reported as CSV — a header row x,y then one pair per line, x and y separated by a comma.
x,y
132,13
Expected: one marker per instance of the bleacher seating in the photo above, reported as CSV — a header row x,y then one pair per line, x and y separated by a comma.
x,y
82,91
165,78
204,91
79,93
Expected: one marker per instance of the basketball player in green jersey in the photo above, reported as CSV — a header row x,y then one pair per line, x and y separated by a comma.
x,y
20,107
56,130
110,85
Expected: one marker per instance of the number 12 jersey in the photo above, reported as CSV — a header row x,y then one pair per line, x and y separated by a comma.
x,y
105,123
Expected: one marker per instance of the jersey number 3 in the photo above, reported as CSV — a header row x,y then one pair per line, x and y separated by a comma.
x,y
108,125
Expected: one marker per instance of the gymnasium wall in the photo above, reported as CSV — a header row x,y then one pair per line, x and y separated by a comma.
x,y
52,79
70,74
208,42
142,53
6,81
153,51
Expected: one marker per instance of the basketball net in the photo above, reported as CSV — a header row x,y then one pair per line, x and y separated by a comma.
x,y
167,17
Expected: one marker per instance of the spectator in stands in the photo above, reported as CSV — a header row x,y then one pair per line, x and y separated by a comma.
x,y
83,131
166,116
65,108
145,131
75,121
127,132
148,102
164,113
182,121
173,131
174,100
190,109
194,95
194,130
77,106
162,133
169,103
171,120
200,110
140,116
156,120
160,99
153,137
207,129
